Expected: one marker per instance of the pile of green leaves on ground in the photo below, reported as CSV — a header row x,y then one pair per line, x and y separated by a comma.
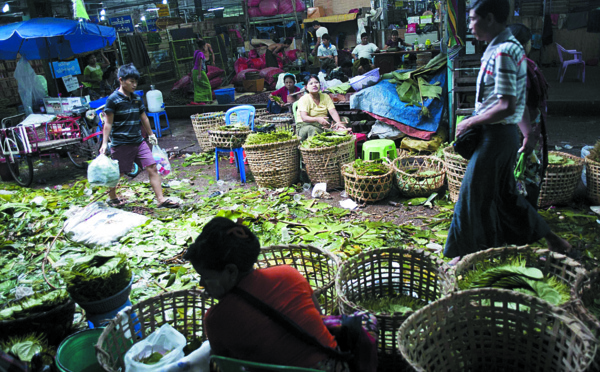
x,y
392,305
514,274
203,158
371,168
595,152
271,137
554,159
34,304
326,139
413,87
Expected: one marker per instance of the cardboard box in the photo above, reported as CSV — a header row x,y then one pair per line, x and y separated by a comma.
x,y
53,105
415,19
316,12
426,19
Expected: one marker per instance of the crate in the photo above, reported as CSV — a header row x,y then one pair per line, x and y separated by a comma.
x,y
257,85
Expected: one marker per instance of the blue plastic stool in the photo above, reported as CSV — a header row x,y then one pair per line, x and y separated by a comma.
x,y
244,114
158,129
239,161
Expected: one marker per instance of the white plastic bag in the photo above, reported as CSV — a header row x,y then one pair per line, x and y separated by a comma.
x,y
280,81
104,171
100,225
585,151
197,361
30,88
162,160
165,339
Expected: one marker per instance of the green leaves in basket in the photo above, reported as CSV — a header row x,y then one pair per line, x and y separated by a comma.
x,y
595,152
272,137
363,168
392,305
153,358
25,346
559,160
37,303
234,127
326,139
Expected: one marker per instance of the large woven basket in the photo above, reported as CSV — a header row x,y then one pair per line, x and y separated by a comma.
x,y
560,181
227,138
585,291
324,164
260,112
495,330
202,123
280,121
367,189
410,180
275,164
386,271
184,310
456,166
558,265
317,265
592,174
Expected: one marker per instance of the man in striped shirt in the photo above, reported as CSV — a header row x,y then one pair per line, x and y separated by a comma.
x,y
490,212
125,117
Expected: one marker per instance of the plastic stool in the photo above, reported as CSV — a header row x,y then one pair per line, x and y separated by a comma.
x,y
377,149
156,119
239,161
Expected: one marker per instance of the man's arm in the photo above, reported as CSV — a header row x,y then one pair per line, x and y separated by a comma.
x,y
209,47
106,129
504,108
146,123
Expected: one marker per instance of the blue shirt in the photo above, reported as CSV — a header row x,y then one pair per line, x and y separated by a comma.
x,y
126,128
329,51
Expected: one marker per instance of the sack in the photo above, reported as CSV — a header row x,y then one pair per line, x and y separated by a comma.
x,y
467,142
356,334
103,171
165,339
162,160
213,72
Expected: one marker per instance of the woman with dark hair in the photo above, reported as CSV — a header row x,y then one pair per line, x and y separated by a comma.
x,y
110,81
314,109
202,89
285,95
224,256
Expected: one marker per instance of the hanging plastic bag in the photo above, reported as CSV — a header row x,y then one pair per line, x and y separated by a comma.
x,y
30,87
104,171
162,160
166,345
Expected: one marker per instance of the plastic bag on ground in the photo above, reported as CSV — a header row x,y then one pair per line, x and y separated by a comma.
x,y
99,225
103,171
162,160
166,340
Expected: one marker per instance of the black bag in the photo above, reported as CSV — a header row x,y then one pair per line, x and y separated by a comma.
x,y
467,142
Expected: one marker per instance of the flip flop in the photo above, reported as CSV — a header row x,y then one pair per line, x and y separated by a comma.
x,y
116,203
168,203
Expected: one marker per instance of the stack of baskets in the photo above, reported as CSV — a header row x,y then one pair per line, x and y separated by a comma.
x,y
456,166
278,121
317,265
419,176
585,291
391,272
592,174
560,181
275,164
367,189
228,139
324,164
202,123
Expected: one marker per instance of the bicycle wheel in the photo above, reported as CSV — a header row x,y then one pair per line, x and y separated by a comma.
x,y
86,150
21,166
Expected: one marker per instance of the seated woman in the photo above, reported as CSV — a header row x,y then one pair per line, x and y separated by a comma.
x,y
224,256
313,109
281,104
395,42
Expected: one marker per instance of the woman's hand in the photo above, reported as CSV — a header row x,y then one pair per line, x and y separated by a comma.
x,y
271,98
323,121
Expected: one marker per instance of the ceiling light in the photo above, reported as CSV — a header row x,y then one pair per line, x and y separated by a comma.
x,y
213,9
165,2
103,12
152,9
102,18
143,18
5,8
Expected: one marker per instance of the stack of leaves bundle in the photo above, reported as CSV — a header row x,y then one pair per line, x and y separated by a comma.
x,y
97,276
202,123
456,166
592,174
268,138
413,87
229,136
368,181
273,158
276,121
324,155
561,179
419,176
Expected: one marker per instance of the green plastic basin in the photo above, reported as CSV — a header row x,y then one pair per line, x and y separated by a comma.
x,y
77,353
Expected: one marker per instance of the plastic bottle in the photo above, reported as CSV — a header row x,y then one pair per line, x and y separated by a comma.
x,y
155,100
285,235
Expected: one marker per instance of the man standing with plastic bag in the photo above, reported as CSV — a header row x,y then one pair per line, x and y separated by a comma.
x,y
125,117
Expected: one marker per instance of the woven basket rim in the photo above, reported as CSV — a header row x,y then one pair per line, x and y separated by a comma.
x,y
229,132
272,144
34,316
449,152
592,161
327,148
359,177
579,307
426,157
579,162
207,115
325,252
265,118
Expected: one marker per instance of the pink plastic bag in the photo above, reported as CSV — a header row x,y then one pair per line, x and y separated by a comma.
x,y
240,64
253,3
269,7
269,74
292,54
411,28
254,12
253,53
286,7
216,82
213,72
257,63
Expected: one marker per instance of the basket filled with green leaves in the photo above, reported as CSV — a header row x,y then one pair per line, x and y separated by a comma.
x,y
561,179
276,121
592,174
490,329
368,181
324,154
540,273
456,166
391,283
229,136
204,122
418,176
273,158
49,313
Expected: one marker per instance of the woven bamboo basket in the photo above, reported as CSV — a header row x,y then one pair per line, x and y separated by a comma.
x,y
397,271
456,166
324,164
592,174
585,291
227,138
274,165
495,330
184,310
202,123
260,112
367,189
560,181
558,265
317,265
280,121
413,184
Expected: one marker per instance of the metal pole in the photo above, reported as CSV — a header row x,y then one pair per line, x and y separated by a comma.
x,y
52,68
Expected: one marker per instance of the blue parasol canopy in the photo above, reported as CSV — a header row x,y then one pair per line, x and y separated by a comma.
x,y
45,38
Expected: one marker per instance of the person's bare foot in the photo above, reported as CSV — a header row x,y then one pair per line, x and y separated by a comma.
x,y
557,244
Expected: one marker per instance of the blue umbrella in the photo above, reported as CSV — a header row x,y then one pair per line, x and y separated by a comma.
x,y
46,38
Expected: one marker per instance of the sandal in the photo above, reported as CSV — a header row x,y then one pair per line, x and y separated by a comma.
x,y
168,203
116,203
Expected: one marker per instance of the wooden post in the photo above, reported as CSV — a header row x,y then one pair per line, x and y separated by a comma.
x,y
245,6
461,24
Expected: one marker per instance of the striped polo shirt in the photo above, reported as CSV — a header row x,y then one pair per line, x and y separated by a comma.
x,y
504,73
126,128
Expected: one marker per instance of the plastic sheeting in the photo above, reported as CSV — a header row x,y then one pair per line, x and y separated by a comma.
x,y
383,103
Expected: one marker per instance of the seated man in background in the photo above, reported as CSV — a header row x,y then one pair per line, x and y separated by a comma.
x,y
363,50
327,54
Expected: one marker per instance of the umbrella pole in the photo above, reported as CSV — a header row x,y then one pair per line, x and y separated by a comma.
x,y
52,68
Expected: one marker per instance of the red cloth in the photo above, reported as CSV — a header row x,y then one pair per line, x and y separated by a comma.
x,y
239,330
283,92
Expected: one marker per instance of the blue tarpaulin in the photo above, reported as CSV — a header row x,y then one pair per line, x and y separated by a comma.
x,y
382,101
45,38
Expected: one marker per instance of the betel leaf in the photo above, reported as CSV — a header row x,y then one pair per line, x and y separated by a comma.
x,y
429,90
26,350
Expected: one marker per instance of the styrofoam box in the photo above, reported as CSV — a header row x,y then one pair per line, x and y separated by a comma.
x,y
415,19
